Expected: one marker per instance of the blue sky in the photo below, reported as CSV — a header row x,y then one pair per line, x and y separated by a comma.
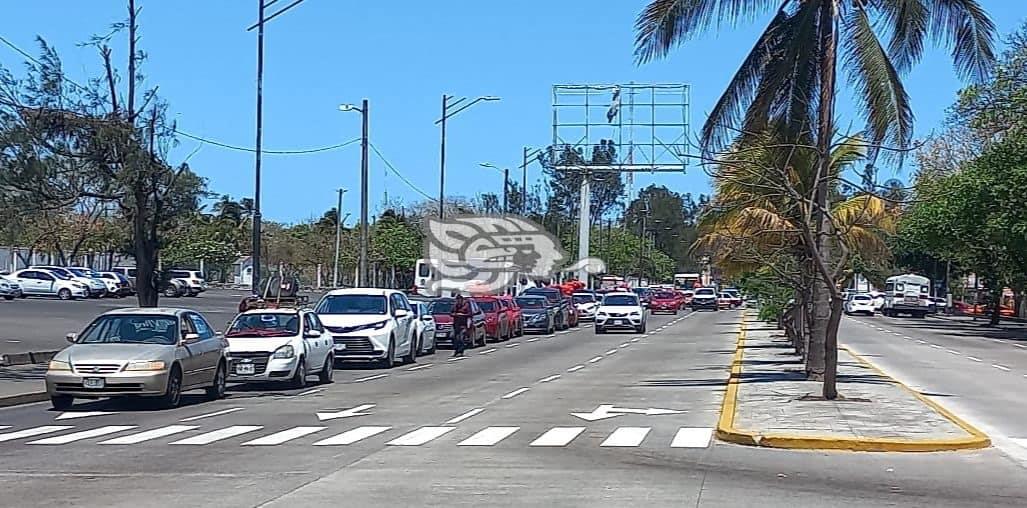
x,y
402,56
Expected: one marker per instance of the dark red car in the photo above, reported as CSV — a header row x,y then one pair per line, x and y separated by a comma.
x,y
497,320
514,316
665,301
441,309
573,318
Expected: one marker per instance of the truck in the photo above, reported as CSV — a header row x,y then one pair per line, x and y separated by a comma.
x,y
907,294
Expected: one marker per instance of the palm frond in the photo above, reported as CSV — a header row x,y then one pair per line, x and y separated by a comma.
x,y
852,149
907,21
665,24
965,26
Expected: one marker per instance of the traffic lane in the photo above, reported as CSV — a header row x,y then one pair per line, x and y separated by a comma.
x,y
991,399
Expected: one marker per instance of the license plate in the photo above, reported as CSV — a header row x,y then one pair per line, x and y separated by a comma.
x,y
622,322
340,347
93,382
244,368
443,335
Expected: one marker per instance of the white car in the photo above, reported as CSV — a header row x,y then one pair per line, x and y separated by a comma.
x,y
284,345
193,279
860,304
425,328
370,325
587,304
9,288
96,287
40,282
620,311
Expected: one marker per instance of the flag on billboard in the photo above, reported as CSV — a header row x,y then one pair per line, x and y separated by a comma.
x,y
614,106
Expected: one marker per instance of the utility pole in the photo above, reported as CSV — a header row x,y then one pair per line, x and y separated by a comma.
x,y
255,284
442,158
506,190
338,239
364,240
584,221
641,243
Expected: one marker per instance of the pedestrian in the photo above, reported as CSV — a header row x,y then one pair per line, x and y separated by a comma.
x,y
461,316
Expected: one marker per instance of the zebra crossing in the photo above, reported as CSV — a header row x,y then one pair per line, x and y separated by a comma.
x,y
258,435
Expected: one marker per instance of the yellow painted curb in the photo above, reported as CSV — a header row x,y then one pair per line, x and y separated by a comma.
x,y
726,430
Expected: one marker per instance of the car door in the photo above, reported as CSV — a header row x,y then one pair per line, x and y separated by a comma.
x,y
190,352
29,283
46,283
317,347
404,325
210,350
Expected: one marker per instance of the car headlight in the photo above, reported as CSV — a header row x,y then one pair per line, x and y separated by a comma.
x,y
601,313
285,352
373,326
58,365
636,313
146,365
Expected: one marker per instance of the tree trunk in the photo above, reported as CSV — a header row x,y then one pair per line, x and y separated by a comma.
x,y
821,313
996,302
826,301
145,253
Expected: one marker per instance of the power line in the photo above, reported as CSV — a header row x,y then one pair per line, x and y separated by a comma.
x,y
400,175
186,134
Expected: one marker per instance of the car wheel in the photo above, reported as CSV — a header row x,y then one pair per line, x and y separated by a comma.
x,y
299,378
640,329
217,390
390,356
173,393
8,297
431,350
62,402
599,330
551,329
327,374
170,292
64,294
411,356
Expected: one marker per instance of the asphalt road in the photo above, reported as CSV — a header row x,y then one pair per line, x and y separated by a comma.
x,y
40,324
493,429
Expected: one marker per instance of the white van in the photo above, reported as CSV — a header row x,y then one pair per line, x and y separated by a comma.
x,y
907,294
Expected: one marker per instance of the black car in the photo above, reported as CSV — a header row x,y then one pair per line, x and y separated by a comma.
x,y
556,301
538,315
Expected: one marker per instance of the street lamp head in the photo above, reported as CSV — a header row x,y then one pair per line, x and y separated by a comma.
x,y
487,165
490,98
348,107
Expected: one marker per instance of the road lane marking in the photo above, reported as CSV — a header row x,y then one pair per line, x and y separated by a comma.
x,y
636,339
953,351
935,346
352,436
596,359
286,435
1000,367
626,344
2,427
575,368
83,414
550,378
1021,346
85,434
563,332
515,393
974,358
1002,340
558,436
36,431
487,351
550,336
626,437
457,358
208,415
419,367
513,345
419,436
921,341
465,416
309,392
150,434
488,436
690,437
369,378
610,352
533,339
219,434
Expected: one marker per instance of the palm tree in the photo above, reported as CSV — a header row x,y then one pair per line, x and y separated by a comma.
x,y
786,84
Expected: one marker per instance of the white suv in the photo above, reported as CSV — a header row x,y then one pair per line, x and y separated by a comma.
x,y
369,324
279,345
620,310
193,279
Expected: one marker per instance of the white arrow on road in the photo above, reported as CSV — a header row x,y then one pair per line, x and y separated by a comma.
x,y
346,413
609,411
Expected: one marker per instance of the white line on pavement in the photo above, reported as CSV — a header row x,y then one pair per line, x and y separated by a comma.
x,y
487,351
935,346
465,416
596,359
1000,367
352,436
548,379
610,352
953,351
208,415
308,392
489,436
1021,346
533,339
86,434
636,339
419,436
690,437
626,344
218,435
369,378
563,332
973,358
457,358
281,437
558,436
551,335
515,393
513,345
150,434
46,429
921,341
575,368
1002,340
626,437
423,366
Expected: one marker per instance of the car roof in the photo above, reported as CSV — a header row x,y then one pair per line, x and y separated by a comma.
x,y
531,296
160,311
362,291
280,310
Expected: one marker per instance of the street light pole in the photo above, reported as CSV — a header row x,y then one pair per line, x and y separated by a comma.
x,y
506,189
338,239
442,158
364,239
255,283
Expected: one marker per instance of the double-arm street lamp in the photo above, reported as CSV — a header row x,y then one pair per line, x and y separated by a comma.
x,y
447,106
364,110
529,154
506,183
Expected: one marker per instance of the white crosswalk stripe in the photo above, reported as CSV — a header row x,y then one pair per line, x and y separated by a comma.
x,y
85,434
626,437
690,437
489,436
352,436
149,435
558,436
420,436
286,435
218,435
36,431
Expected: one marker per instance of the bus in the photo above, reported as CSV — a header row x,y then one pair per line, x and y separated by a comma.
x,y
686,281
907,294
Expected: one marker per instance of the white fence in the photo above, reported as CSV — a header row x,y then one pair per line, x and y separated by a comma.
x,y
16,258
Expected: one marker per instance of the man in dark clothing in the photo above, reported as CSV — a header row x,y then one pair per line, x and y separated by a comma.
x,y
461,317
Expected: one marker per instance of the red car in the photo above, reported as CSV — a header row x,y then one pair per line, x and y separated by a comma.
x,y
665,301
497,323
513,314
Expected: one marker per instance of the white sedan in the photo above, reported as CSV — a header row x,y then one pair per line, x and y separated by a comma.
x,y
425,328
370,325
587,304
859,304
284,345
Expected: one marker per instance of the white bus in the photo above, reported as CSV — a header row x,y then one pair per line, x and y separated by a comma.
x,y
907,294
686,281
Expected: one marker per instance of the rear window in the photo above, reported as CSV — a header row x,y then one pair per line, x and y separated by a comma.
x,y
861,298
423,270
664,295
705,292
583,298
487,305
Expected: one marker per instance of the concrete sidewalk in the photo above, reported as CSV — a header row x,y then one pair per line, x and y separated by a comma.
x,y
21,384
774,405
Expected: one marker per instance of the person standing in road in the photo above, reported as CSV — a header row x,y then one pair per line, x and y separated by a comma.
x,y
461,316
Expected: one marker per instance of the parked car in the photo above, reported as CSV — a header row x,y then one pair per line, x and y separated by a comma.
x,y
736,297
442,308
128,272
940,304
279,345
425,327
497,327
725,301
513,313
40,282
705,298
620,311
555,300
539,316
859,303
97,288
10,289
110,287
124,286
194,280
143,353
586,303
665,301
369,325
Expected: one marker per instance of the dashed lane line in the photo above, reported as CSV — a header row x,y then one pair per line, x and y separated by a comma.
x,y
515,393
626,344
974,358
610,352
310,392
465,416
550,378
419,367
209,415
575,368
515,344
369,378
596,359
1000,367
533,339
953,351
487,351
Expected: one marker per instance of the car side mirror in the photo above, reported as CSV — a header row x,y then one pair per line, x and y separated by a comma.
x,y
71,337
401,313
189,338
312,334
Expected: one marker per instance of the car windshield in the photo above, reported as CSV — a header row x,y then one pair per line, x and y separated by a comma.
x,y
265,325
352,304
550,296
441,307
531,303
80,272
620,300
486,305
664,295
60,275
131,329
583,298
